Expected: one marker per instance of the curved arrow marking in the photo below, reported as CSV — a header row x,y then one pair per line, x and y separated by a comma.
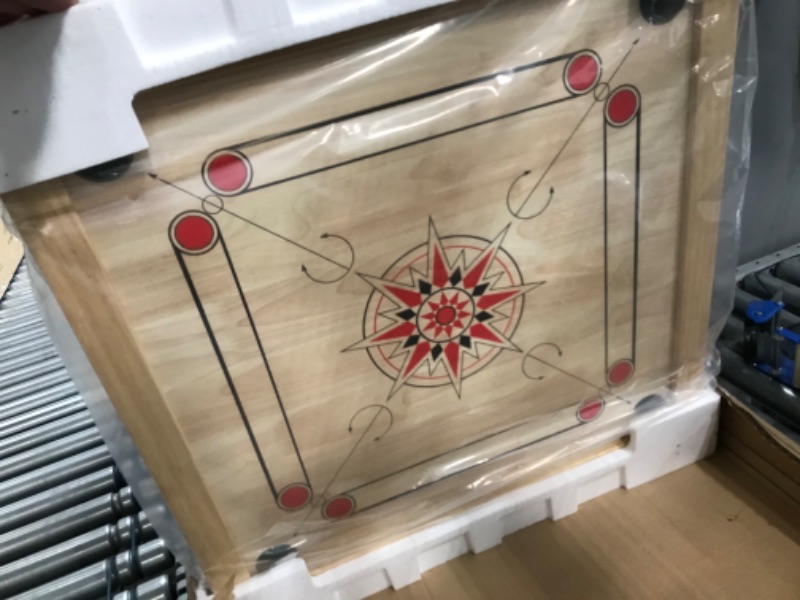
x,y
347,269
380,408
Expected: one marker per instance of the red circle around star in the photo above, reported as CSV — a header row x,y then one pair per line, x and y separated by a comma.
x,y
445,315
415,259
451,306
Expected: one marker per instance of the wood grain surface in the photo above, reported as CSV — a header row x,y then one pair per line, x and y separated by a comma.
x,y
707,139
10,256
241,335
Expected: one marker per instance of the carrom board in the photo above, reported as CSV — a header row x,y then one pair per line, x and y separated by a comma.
x,y
10,257
352,281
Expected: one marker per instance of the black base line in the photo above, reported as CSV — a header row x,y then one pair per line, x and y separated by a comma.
x,y
433,458
637,189
394,104
226,372
475,466
401,101
597,100
320,498
265,229
636,233
544,174
636,221
597,388
424,140
264,359
605,243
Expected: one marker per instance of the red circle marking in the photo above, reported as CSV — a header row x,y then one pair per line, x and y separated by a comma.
x,y
486,356
338,507
194,233
622,106
583,72
590,410
294,496
228,172
620,372
445,315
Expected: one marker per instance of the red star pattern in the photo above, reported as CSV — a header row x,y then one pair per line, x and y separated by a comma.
x,y
444,313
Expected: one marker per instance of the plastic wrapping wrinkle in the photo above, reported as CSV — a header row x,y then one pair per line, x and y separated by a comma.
x,y
737,169
362,288
386,128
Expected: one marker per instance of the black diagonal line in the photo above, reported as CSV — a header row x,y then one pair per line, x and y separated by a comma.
x,y
285,239
622,62
557,156
473,466
263,353
253,223
410,144
576,377
636,237
224,366
575,130
605,239
403,101
347,458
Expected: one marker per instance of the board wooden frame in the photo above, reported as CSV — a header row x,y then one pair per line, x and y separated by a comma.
x,y
55,236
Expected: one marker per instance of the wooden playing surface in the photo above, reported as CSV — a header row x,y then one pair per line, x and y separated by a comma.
x,y
440,238
10,256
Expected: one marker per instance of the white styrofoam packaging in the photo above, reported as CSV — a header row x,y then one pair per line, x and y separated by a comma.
x,y
662,441
69,79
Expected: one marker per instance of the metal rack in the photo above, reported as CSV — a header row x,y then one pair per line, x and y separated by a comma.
x,y
763,279
70,527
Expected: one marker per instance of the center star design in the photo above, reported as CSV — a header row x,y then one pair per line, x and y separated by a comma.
x,y
445,313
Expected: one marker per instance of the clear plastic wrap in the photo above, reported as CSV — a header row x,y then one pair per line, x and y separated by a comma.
x,y
359,286
737,169
119,442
